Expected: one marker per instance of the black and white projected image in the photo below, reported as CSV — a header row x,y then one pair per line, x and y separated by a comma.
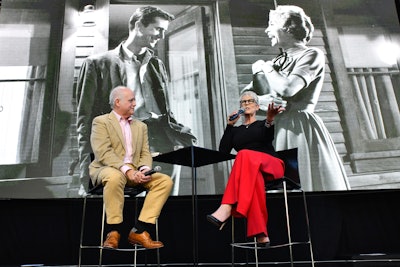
x,y
209,59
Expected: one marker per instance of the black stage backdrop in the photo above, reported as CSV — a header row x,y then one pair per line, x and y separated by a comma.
x,y
344,226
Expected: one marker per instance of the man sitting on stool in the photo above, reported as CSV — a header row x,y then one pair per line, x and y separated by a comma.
x,y
122,157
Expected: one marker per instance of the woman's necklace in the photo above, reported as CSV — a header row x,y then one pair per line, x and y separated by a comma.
x,y
248,124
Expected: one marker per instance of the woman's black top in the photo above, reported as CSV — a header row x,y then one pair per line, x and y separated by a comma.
x,y
255,136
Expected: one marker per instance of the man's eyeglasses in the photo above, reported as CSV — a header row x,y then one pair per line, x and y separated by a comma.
x,y
248,101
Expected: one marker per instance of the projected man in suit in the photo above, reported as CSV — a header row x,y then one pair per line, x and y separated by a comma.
x,y
132,64
122,157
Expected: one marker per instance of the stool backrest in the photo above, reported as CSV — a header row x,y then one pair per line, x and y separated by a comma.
x,y
289,157
291,175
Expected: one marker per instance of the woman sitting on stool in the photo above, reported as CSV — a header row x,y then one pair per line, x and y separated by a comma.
x,y
255,162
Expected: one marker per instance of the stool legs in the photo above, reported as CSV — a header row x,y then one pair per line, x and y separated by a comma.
x,y
100,246
288,228
233,242
255,251
103,218
308,229
158,250
82,229
288,223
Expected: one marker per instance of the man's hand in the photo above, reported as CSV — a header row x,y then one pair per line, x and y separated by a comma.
x,y
138,177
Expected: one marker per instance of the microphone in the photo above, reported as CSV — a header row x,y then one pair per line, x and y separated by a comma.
x,y
234,116
154,170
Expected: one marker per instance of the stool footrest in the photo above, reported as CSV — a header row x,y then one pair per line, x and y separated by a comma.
x,y
139,248
252,245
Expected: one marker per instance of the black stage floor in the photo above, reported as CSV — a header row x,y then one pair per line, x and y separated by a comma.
x,y
355,228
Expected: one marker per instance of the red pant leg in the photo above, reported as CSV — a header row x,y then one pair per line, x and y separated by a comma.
x,y
246,187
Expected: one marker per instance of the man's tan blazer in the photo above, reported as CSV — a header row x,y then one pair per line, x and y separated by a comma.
x,y
107,142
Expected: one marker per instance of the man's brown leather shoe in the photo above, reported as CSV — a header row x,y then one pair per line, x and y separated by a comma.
x,y
112,240
144,239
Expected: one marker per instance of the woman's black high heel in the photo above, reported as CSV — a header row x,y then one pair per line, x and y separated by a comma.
x,y
216,222
262,244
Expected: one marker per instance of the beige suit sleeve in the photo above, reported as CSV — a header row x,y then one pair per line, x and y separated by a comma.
x,y
106,142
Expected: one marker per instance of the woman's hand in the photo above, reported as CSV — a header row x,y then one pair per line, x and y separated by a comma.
x,y
262,66
268,67
232,122
257,66
273,111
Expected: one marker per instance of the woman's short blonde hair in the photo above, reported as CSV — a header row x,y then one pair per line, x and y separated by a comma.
x,y
251,94
295,21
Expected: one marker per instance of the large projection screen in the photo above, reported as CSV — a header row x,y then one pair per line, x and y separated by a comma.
x,y
208,52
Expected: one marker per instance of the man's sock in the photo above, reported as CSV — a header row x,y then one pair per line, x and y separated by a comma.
x,y
143,226
113,227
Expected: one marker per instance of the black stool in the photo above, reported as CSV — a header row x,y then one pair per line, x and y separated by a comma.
x,y
285,184
97,191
